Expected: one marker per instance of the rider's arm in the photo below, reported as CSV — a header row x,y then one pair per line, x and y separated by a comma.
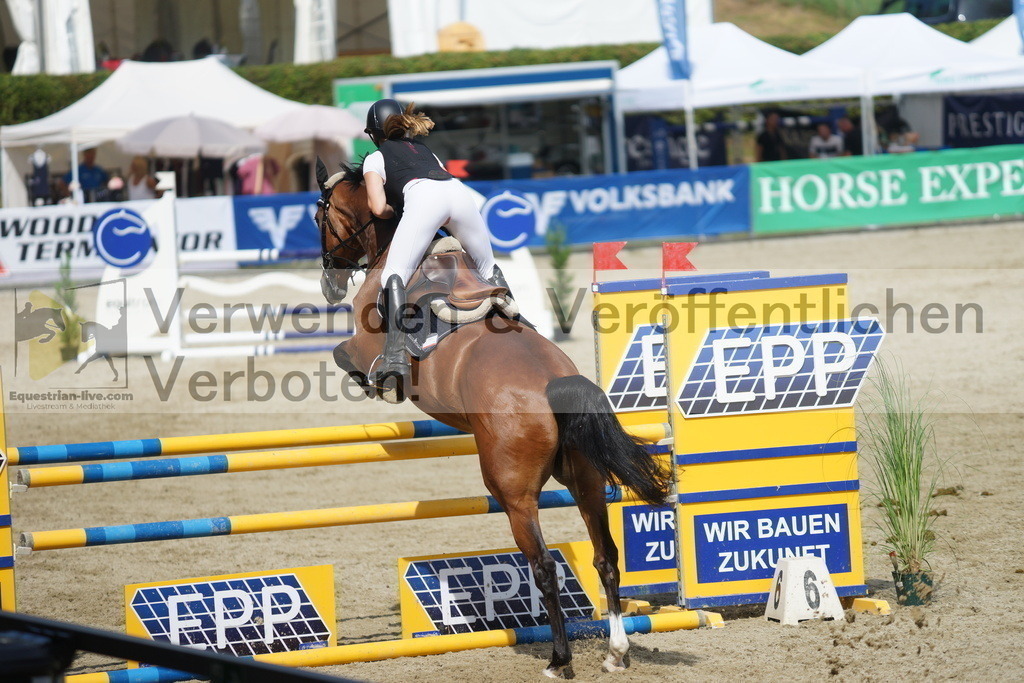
x,y
375,193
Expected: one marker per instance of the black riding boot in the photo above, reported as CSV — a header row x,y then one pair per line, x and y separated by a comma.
x,y
393,373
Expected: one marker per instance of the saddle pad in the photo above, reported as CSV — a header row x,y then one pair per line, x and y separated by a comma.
x,y
427,330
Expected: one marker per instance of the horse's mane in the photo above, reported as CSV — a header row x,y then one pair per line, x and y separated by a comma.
x,y
353,174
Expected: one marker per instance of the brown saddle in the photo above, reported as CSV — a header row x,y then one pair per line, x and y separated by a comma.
x,y
451,275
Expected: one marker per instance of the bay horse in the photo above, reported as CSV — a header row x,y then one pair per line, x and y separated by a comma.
x,y
532,413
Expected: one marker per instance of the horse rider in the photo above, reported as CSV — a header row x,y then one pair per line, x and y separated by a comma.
x,y
403,177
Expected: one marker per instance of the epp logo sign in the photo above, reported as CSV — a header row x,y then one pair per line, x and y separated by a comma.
x,y
243,615
465,594
776,368
512,219
122,238
639,381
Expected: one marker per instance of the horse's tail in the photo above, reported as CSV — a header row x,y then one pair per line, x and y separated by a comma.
x,y
587,424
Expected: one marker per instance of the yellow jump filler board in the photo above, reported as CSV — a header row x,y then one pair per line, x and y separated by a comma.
x,y
761,375
246,614
491,590
762,379
630,341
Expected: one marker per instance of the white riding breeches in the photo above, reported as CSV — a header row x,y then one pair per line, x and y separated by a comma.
x,y
430,204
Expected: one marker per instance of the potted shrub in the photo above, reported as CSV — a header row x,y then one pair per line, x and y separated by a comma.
x,y
561,292
899,441
71,335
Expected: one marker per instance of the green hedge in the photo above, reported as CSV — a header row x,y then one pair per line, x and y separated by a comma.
x,y
25,98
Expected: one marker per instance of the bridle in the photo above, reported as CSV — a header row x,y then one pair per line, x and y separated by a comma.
x,y
329,256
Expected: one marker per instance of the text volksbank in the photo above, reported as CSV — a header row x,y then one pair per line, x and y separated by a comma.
x,y
643,204
888,189
632,197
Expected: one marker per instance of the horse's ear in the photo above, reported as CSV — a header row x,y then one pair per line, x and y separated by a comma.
x,y
321,173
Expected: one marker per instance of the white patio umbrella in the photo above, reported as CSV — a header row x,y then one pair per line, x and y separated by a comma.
x,y
190,136
312,122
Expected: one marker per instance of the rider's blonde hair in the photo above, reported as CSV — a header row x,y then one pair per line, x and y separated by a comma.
x,y
409,123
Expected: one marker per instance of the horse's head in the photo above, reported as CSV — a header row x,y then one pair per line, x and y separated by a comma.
x,y
349,231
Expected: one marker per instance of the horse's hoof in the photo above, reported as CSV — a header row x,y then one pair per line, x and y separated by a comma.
x,y
562,672
613,663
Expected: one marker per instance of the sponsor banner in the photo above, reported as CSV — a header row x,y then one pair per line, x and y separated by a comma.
x,y
888,189
607,208
982,120
240,614
739,546
491,590
34,240
279,221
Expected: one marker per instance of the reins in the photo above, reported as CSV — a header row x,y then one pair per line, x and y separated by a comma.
x,y
328,256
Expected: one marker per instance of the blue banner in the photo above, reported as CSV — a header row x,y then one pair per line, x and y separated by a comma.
x,y
737,546
708,201
652,143
276,221
982,120
672,15
650,537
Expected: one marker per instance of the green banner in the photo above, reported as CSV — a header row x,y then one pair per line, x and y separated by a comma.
x,y
357,98
921,187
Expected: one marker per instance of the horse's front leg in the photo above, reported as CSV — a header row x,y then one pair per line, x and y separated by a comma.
x,y
345,357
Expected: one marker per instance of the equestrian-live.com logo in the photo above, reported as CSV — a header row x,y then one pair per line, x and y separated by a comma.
x,y
58,348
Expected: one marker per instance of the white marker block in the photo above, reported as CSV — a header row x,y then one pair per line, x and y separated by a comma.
x,y
801,590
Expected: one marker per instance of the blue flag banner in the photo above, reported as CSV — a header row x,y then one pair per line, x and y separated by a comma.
x,y
639,205
672,15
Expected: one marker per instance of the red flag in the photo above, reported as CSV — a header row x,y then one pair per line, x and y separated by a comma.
x,y
674,256
605,257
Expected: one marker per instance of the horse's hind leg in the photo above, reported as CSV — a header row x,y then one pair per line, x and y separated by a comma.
x,y
588,488
524,518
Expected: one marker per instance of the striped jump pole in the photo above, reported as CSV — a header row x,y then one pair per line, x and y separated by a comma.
x,y
234,525
257,337
241,441
431,645
69,475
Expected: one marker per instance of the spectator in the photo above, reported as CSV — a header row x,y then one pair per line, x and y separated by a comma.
x,y
770,146
853,141
825,144
258,174
895,134
91,177
141,184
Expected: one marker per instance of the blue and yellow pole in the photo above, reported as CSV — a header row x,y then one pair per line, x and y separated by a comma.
x,y
284,521
432,645
212,443
443,447
7,598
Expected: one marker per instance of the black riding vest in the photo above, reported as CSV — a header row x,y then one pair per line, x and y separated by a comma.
x,y
405,161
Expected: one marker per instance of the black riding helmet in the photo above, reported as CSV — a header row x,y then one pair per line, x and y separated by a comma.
x,y
378,114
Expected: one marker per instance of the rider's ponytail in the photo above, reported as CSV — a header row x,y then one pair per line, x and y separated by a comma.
x,y
407,124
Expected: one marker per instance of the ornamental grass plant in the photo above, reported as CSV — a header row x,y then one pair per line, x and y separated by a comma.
x,y
899,441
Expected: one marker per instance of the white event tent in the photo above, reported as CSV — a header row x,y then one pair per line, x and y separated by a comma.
x,y
136,94
1003,39
730,66
902,55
